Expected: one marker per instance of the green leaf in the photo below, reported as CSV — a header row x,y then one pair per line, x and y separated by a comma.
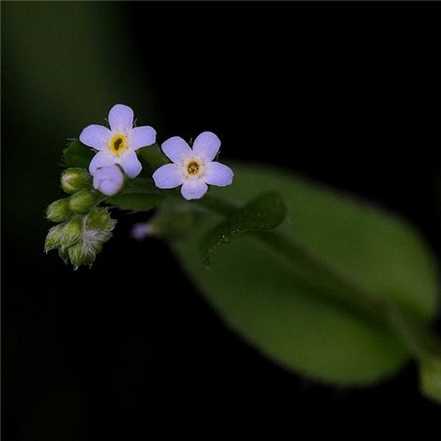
x,y
77,154
139,185
263,213
152,157
280,309
136,201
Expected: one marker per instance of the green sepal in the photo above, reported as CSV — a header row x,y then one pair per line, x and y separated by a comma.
x,y
99,219
79,255
53,238
77,154
71,232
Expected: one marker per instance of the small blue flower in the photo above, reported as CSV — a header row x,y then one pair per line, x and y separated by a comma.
x,y
118,144
193,168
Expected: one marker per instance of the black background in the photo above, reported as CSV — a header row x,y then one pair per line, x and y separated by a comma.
x,y
347,94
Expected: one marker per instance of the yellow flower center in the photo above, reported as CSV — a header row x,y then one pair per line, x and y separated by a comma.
x,y
118,144
194,168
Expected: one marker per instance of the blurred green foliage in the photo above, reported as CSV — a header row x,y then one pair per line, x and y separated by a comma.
x,y
280,308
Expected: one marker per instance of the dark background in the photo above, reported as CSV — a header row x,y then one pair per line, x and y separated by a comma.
x,y
346,94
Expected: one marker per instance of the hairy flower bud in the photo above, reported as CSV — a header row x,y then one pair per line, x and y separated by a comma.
x,y
83,201
72,231
99,219
75,179
79,255
59,210
53,238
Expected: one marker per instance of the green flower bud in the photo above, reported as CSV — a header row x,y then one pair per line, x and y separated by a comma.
x,y
75,179
83,201
80,255
71,232
59,211
99,219
53,238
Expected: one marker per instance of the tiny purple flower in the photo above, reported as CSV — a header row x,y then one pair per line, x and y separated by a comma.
x,y
142,230
118,144
193,168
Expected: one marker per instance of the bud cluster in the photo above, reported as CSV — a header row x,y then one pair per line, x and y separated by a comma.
x,y
81,238
82,227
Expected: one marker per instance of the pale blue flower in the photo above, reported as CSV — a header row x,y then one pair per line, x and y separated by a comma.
x,y
118,144
108,180
193,168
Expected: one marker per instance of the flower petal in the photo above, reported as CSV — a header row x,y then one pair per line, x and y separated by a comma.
x,y
110,173
206,145
168,176
142,137
108,180
101,159
176,149
95,136
121,118
194,189
218,174
130,164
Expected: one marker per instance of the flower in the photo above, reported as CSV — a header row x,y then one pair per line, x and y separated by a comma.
x,y
118,144
193,168
108,180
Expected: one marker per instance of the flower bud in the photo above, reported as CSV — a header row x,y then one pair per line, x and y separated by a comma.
x,y
99,219
83,200
53,238
75,179
59,210
108,180
72,231
80,255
